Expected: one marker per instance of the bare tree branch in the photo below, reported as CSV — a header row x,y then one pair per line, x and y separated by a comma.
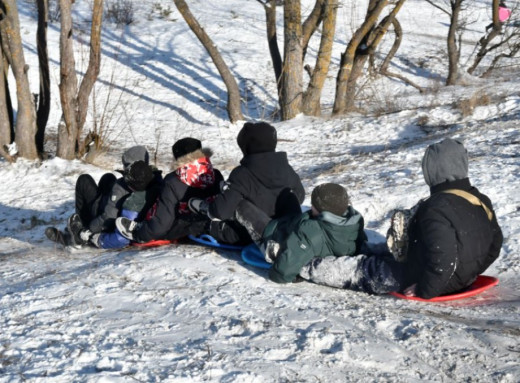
x,y
310,25
434,4
233,100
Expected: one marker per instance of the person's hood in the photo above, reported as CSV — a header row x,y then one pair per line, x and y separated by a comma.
x,y
134,154
445,161
257,137
351,217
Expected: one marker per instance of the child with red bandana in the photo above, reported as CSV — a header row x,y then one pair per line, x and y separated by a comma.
x,y
193,177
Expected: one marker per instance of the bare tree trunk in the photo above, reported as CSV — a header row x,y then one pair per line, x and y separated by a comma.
x,y
74,102
311,24
68,128
272,40
347,58
496,20
233,101
398,31
382,28
25,130
44,99
453,52
486,39
5,126
312,96
6,59
92,72
292,76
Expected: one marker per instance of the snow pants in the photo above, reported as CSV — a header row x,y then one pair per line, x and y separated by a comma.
x,y
91,198
229,232
373,274
253,219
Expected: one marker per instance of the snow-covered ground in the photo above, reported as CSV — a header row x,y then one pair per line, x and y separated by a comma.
x,y
187,313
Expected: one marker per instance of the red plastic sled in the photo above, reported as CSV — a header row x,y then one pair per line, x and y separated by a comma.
x,y
154,243
482,283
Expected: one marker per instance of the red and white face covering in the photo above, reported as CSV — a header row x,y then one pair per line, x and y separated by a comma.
x,y
198,174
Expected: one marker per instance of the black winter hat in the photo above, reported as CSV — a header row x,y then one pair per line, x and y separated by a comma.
x,y
185,146
138,176
257,137
330,197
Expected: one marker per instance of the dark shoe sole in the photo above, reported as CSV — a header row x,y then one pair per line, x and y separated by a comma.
x,y
57,236
74,225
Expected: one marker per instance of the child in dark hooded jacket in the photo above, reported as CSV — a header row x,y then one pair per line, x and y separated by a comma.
x,y
264,177
453,236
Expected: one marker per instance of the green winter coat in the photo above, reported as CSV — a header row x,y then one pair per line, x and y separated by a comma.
x,y
304,237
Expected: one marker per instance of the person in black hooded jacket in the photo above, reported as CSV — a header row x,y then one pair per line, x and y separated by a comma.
x,y
451,239
264,177
453,236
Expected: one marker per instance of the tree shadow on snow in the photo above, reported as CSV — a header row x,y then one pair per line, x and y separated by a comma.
x,y
21,224
198,82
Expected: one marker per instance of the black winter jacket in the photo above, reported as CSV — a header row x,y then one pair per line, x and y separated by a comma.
x,y
171,218
264,179
451,241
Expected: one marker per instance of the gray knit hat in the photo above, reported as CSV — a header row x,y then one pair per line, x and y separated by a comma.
x,y
445,161
135,153
330,197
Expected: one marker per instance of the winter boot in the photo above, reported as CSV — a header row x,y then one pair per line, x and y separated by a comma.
x,y
94,240
55,235
271,251
397,236
75,226
126,227
198,206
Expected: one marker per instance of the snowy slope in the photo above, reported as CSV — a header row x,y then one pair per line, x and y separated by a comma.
x,y
186,313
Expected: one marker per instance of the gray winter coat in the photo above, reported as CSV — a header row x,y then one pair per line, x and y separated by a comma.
x,y
106,220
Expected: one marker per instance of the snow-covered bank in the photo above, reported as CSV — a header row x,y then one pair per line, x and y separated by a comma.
x,y
187,313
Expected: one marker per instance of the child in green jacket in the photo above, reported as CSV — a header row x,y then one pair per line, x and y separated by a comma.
x,y
331,228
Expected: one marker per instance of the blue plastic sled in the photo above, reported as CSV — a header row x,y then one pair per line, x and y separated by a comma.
x,y
208,240
252,255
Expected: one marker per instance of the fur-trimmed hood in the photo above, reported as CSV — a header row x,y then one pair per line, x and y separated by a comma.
x,y
190,157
